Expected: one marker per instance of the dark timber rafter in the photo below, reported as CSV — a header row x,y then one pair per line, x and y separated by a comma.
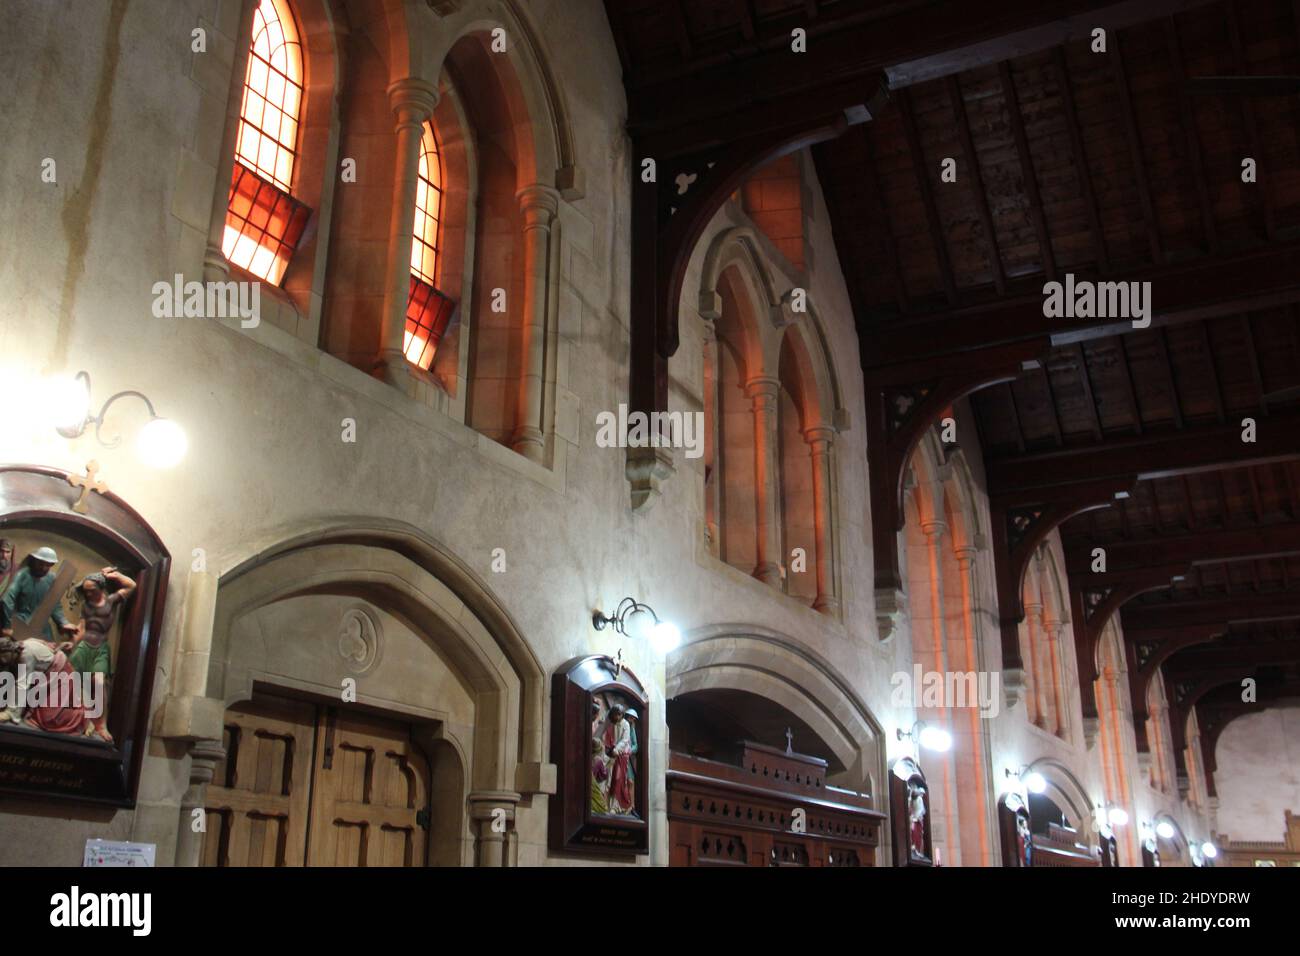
x,y
1183,292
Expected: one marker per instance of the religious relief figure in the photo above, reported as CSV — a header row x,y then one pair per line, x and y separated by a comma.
x,y
613,760
916,820
83,586
57,671
8,566
28,604
90,653
1024,841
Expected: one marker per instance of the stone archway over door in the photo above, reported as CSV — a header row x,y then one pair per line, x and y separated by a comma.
x,y
372,623
304,783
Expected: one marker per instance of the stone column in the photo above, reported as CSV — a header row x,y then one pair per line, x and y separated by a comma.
x,y
538,205
1035,699
986,823
412,101
763,392
820,439
204,757
216,268
493,813
942,716
1056,714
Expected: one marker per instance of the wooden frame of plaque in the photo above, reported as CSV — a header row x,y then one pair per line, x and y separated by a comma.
x,y
909,798
63,752
1016,831
600,746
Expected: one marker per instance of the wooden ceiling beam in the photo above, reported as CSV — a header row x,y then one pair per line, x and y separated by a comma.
x,y
1219,655
1184,292
1152,455
847,39
1128,119
1060,31
1079,156
1203,547
1276,606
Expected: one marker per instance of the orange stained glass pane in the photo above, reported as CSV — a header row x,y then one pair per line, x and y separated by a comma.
x,y
428,313
428,210
263,225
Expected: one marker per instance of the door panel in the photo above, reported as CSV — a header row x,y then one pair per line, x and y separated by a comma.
x,y
371,783
306,784
258,800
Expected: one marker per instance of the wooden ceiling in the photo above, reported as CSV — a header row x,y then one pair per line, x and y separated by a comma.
x,y
1102,165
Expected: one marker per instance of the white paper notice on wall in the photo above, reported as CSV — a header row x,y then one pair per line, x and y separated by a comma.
x,y
106,853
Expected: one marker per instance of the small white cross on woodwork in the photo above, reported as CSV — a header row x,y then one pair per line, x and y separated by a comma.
x,y
87,483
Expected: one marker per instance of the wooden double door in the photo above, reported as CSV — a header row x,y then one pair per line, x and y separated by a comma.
x,y
306,784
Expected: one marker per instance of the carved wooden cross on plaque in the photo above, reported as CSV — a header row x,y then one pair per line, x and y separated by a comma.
x,y
87,483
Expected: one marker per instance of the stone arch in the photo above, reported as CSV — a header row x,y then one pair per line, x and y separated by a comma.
x,y
737,246
405,573
753,658
441,655
1066,791
734,296
535,98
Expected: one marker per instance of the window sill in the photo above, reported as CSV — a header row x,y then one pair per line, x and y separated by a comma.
x,y
274,338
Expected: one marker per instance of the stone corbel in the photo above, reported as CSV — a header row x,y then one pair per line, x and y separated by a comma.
x,y
647,469
1091,730
1013,685
891,604
190,718
533,778
571,182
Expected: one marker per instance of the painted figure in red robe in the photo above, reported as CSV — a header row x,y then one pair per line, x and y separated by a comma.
x,y
618,748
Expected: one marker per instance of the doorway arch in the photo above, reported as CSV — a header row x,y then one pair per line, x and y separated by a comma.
x,y
382,621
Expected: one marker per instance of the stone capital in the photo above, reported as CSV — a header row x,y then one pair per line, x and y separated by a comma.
x,y
763,388
538,203
483,804
934,529
412,100
823,435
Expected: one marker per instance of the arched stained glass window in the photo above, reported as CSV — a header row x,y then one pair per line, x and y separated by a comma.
x,y
264,222
427,310
428,209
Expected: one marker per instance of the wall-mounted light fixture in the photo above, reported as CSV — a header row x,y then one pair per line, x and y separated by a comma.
x,y
1034,781
640,622
1114,815
927,736
1165,830
1209,850
161,442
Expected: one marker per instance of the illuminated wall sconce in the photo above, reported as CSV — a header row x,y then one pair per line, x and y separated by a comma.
x,y
1165,830
161,443
1034,781
1113,815
1209,850
640,622
924,735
